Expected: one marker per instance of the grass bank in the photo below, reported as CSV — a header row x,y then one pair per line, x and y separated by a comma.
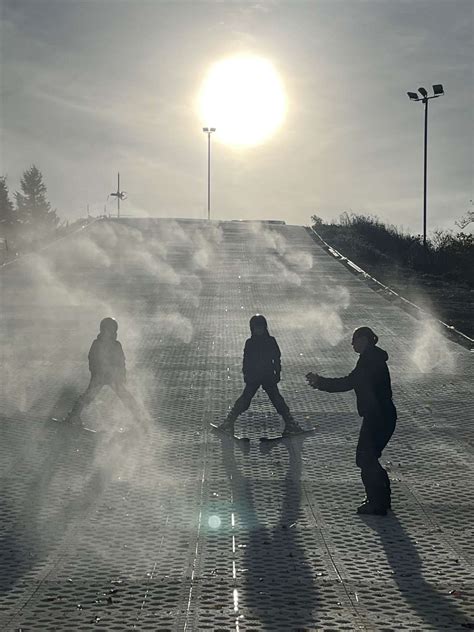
x,y
439,278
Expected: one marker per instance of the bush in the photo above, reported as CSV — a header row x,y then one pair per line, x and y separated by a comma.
x,y
367,240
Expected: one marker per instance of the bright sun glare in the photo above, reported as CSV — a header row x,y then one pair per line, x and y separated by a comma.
x,y
244,99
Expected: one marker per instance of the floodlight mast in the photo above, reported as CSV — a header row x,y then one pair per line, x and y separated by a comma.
x,y
208,131
438,91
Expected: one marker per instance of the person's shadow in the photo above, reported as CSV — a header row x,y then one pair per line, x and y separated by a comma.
x,y
276,584
437,610
37,505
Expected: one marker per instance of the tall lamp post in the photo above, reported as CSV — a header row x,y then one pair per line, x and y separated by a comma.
x,y
208,131
413,96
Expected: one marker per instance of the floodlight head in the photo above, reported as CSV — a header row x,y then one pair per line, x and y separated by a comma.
x,y
205,129
413,96
423,92
213,129
438,89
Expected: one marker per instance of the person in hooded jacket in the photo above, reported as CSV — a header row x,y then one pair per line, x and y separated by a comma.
x,y
261,368
370,380
107,367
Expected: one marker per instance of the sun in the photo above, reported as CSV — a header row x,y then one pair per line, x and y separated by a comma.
x,y
244,99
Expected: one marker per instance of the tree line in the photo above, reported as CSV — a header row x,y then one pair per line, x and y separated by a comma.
x,y
368,241
29,220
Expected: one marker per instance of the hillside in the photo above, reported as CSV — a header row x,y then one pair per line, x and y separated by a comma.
x,y
439,279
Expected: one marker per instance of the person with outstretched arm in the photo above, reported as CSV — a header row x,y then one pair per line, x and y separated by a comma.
x,y
371,382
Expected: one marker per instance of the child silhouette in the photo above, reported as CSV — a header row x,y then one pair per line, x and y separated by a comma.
x,y
107,367
261,367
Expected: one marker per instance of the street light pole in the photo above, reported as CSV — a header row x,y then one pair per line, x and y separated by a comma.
x,y
208,131
425,170
118,196
438,91
209,176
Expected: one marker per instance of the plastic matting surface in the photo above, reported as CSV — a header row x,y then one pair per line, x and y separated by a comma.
x,y
157,523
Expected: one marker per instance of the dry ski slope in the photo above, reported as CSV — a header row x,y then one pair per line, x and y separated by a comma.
x,y
161,526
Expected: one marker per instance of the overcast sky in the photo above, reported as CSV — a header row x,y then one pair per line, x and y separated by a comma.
x,y
89,88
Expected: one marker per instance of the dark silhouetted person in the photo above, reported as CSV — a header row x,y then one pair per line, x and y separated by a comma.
x,y
371,382
261,367
107,367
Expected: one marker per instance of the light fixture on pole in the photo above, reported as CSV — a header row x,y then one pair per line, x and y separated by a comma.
x,y
208,131
413,96
120,195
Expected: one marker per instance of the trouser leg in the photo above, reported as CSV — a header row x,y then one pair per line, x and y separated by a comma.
x,y
387,484
277,400
382,437
127,399
86,398
372,440
243,402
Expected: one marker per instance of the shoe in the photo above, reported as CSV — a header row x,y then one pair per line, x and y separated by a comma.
x,y
389,502
74,420
291,428
227,427
369,509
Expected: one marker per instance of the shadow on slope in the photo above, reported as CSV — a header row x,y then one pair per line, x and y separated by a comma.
x,y
436,609
278,586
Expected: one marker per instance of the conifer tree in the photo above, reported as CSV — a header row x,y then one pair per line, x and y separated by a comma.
x,y
8,216
37,217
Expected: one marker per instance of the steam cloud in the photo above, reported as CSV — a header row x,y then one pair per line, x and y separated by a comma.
x,y
431,350
62,292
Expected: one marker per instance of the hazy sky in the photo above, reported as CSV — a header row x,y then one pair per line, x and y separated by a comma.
x,y
89,88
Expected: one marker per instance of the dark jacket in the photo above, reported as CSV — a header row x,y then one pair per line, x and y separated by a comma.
x,y
261,360
371,382
107,360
